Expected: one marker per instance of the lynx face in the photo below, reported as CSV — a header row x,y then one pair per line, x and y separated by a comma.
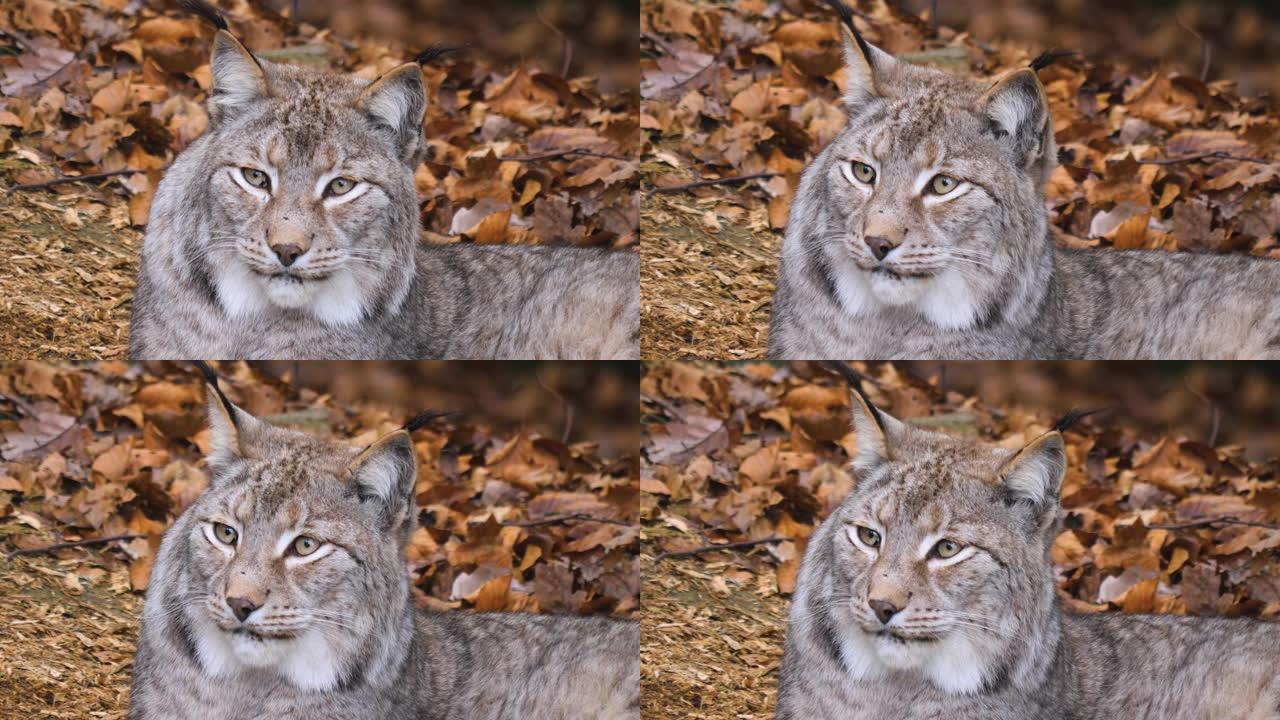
x,y
921,183
311,175
291,550
937,547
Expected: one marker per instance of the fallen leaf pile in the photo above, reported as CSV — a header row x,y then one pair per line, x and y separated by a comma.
x,y
517,153
121,86
1161,524
519,522
1158,161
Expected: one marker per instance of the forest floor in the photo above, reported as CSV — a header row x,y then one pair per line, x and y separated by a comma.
x,y
1154,520
69,268
67,632
1158,160
709,649
707,284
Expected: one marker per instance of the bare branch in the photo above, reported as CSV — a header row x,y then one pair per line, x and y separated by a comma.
x,y
672,189
71,544
554,519
72,179
1208,522
709,548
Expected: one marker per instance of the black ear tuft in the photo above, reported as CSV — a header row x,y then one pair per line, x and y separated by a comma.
x,y
855,380
211,377
436,51
424,419
205,11
845,12
1049,57
1074,416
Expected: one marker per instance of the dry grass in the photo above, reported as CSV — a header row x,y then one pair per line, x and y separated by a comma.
x,y
706,277
67,631
708,649
68,276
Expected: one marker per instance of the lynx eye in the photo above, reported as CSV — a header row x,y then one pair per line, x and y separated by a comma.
x,y
339,186
947,548
304,546
942,184
256,178
869,537
226,534
864,172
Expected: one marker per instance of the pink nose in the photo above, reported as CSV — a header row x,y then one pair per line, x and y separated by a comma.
x,y
880,246
242,607
287,253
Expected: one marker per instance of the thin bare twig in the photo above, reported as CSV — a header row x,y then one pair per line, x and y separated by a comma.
x,y
1223,520
1215,155
71,544
1206,51
568,410
72,179
713,181
710,548
562,153
1216,415
554,519
566,45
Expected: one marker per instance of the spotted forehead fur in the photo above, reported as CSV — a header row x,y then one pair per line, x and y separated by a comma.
x,y
309,119
284,464
926,464
920,115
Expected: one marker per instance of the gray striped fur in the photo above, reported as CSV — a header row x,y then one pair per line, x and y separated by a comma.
x,y
348,641
978,275
986,638
210,286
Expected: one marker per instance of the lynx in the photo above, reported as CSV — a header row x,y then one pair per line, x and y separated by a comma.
x,y
929,593
290,230
282,593
920,232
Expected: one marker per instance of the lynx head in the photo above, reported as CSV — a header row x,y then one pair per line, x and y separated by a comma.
x,y
933,191
310,184
939,558
294,556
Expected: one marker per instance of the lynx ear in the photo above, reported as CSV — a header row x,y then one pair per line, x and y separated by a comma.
x,y
231,431
238,77
385,475
875,431
397,101
1019,114
1033,476
865,68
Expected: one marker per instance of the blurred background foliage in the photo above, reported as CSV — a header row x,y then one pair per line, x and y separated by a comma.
x,y
1143,34
600,38
1222,402
592,401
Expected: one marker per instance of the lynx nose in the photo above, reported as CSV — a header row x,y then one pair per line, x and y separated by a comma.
x,y
880,245
287,253
242,607
883,609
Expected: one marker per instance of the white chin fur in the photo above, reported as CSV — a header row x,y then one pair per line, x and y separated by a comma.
x,y
944,300
953,664
957,666
898,291
336,300
307,662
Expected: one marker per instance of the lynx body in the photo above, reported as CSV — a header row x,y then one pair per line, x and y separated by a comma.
x,y
920,232
290,230
929,594
282,593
